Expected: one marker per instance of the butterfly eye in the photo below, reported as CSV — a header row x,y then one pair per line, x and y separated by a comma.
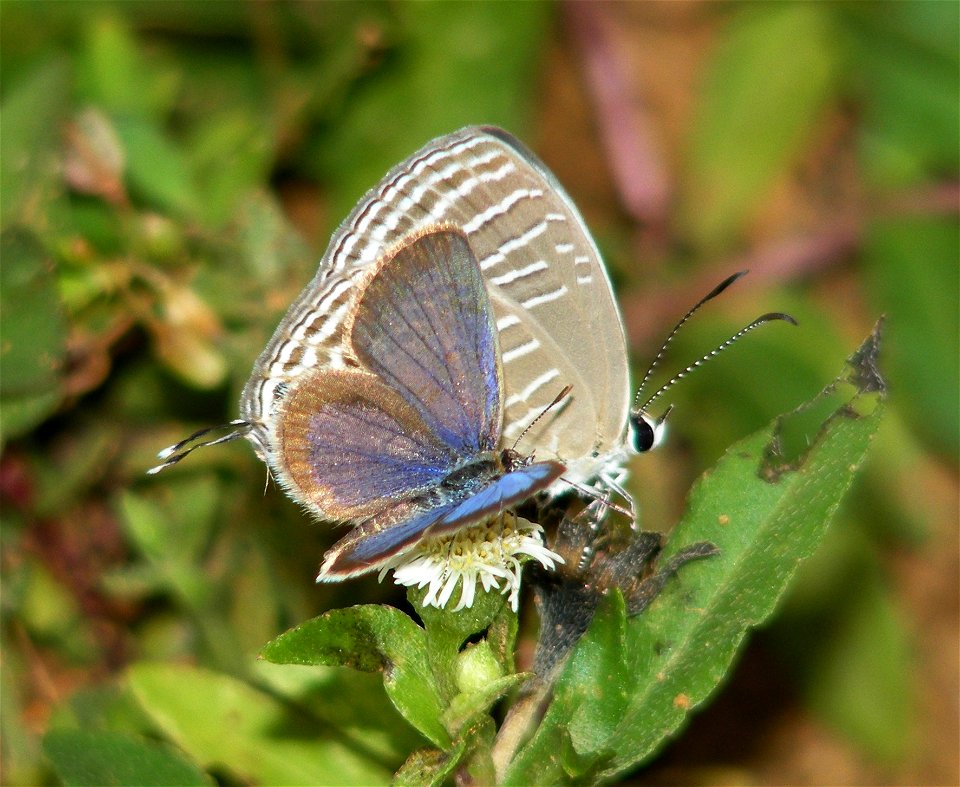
x,y
648,432
643,434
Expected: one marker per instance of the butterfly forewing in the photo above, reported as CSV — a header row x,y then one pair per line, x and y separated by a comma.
x,y
424,326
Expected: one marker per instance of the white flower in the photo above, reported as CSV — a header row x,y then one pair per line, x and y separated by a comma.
x,y
490,552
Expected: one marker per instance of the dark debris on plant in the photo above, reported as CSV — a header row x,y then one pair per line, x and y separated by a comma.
x,y
596,561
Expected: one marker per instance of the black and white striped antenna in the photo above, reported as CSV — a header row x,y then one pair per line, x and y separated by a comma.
x,y
650,431
174,453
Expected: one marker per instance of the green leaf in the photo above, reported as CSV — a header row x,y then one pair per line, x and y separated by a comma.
x,y
32,113
913,275
502,638
172,528
156,169
176,525
867,648
430,767
372,638
765,512
82,757
172,534
49,611
908,69
593,692
247,144
226,724
448,630
765,92
34,333
270,251
107,706
21,749
112,72
353,702
481,684
598,702
467,709
492,47
478,767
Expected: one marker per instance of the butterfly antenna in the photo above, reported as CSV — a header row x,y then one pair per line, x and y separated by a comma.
x,y
174,453
676,328
761,320
557,399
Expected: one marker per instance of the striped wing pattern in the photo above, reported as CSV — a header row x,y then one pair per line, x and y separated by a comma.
x,y
556,317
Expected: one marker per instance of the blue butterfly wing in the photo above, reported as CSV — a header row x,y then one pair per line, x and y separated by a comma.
x,y
424,325
351,447
370,545
354,443
513,487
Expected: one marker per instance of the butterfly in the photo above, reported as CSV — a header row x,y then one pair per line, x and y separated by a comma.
x,y
540,297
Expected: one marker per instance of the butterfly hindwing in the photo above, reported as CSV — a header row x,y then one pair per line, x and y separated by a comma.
x,y
350,445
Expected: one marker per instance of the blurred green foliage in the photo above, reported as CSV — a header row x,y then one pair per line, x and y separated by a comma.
x,y
169,174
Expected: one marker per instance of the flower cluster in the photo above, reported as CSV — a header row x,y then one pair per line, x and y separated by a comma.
x,y
492,553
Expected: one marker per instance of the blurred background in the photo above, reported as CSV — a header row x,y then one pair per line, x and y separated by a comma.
x,y
170,174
